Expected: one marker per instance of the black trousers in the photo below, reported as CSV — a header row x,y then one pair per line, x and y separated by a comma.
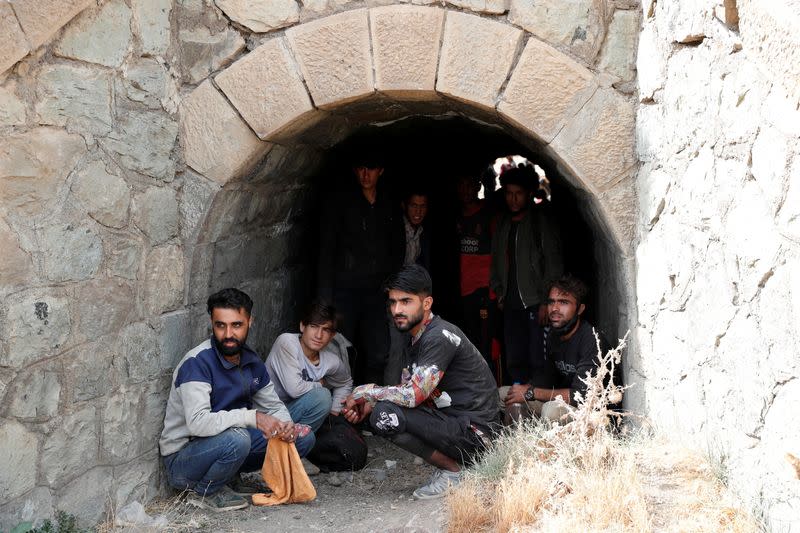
x,y
423,430
524,340
478,322
366,326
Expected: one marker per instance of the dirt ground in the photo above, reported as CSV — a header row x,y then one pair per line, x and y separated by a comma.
x,y
375,499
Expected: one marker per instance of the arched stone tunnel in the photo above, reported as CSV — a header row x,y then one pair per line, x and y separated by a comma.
x,y
155,150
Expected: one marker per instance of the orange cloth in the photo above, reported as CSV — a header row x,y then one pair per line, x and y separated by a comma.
x,y
283,472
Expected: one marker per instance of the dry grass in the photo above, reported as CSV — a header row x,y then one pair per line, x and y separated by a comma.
x,y
581,477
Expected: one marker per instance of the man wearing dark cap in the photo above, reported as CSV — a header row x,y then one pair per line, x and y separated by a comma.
x,y
361,242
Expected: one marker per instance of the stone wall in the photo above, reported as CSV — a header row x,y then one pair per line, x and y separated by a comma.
x,y
718,263
155,150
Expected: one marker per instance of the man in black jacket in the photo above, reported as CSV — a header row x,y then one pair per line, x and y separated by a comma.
x,y
361,242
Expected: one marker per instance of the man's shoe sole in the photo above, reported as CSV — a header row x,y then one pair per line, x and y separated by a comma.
x,y
201,504
428,496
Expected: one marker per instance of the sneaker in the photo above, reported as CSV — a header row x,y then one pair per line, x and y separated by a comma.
x,y
310,468
247,487
437,486
219,502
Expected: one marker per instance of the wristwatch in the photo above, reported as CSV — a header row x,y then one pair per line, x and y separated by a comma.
x,y
528,395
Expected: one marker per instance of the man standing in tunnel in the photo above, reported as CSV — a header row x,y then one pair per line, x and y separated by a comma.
x,y
221,412
526,253
445,407
361,242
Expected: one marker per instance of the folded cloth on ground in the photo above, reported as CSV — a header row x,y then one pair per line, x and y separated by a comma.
x,y
283,472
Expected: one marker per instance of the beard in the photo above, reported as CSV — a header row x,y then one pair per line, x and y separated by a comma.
x,y
228,350
411,323
567,327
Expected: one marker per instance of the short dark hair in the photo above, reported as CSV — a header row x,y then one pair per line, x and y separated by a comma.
x,y
415,191
572,285
319,312
413,279
230,298
523,175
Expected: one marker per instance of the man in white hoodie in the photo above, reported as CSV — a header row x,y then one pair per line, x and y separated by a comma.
x,y
310,370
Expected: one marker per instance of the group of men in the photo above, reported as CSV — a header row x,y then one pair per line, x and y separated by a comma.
x,y
437,396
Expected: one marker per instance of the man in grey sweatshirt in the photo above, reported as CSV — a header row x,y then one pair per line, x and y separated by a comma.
x,y
222,410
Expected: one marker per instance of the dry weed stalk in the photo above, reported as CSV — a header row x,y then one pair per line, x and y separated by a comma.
x,y
580,476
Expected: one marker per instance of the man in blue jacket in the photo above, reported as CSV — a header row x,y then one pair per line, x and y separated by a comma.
x,y
222,410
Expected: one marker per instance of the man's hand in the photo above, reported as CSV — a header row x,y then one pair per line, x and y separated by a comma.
x,y
272,427
322,381
355,410
516,394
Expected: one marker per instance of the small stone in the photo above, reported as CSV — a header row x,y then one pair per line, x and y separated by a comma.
x,y
105,194
87,496
38,325
164,279
175,338
203,52
71,448
334,479
18,455
76,97
124,255
577,25
418,461
618,54
12,108
489,7
261,15
101,36
33,166
155,212
147,81
378,474
144,143
103,306
390,465
152,21
73,252
34,394
89,373
17,264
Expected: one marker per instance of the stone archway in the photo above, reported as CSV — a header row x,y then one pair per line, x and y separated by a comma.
x,y
258,126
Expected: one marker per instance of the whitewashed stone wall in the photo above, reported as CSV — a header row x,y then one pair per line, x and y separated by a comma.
x,y
143,164
718,263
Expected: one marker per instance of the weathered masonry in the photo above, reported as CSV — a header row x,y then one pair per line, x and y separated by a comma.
x,y
155,150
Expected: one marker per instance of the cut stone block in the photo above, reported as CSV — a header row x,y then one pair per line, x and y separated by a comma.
x,y
164,279
488,7
41,19
13,44
216,142
405,44
261,15
12,108
618,55
39,326
155,212
99,37
71,448
546,90
476,56
105,194
266,89
143,142
35,394
598,142
334,57
620,204
71,253
17,264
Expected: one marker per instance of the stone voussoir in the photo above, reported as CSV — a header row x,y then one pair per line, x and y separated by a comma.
x,y
334,57
405,44
13,44
476,57
216,142
546,89
266,88
598,143
41,19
